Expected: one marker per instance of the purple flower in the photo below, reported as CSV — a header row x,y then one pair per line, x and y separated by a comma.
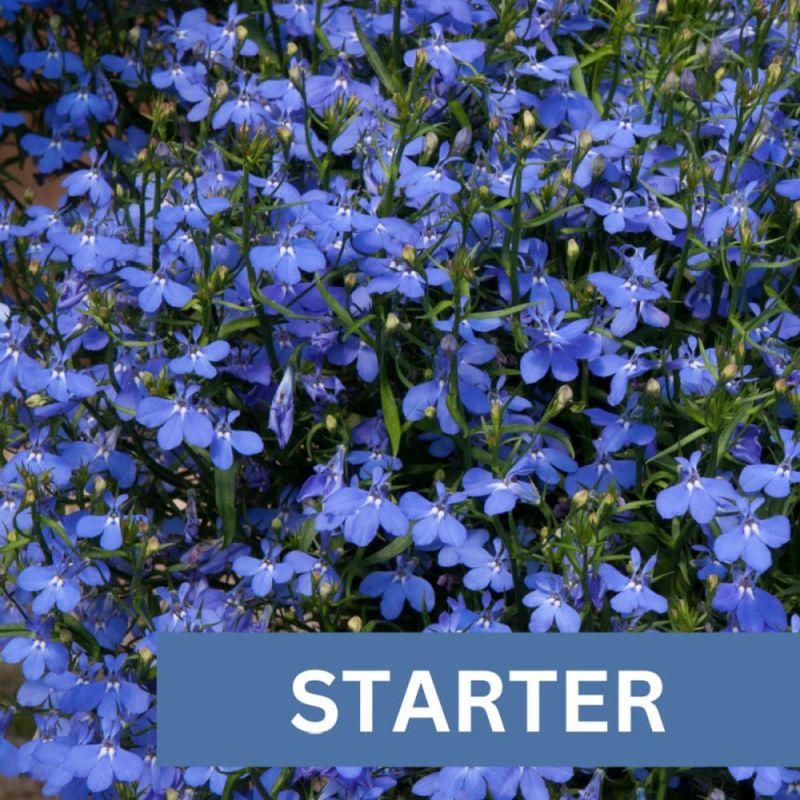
x,y
281,411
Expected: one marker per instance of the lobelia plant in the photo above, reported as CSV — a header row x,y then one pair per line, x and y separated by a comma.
x,y
459,317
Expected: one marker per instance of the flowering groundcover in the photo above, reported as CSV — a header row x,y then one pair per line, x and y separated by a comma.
x,y
463,317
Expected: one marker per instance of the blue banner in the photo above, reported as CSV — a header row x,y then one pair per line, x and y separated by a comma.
x,y
411,699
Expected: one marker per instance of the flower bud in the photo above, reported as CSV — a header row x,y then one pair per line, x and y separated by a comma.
x,y
716,53
55,23
430,412
331,423
510,39
598,167
580,499
653,388
671,83
796,210
355,624
462,142
241,33
573,251
291,50
65,636
781,387
421,58
449,345
730,372
221,89
431,145
563,396
585,140
350,280
661,8
392,322
528,120
409,253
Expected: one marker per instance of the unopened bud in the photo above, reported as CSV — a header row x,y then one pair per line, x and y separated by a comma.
x,y
653,387
716,53
220,90
449,345
730,372
573,251
585,140
661,8
796,210
350,280
671,83
421,58
580,498
355,624
431,145
430,412
55,23
528,120
291,50
241,33
392,322
781,387
462,142
409,253
331,423
598,167
510,39
564,396
276,524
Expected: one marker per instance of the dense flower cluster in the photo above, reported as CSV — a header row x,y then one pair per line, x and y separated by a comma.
x,y
445,315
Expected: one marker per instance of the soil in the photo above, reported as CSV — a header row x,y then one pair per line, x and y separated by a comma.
x,y
14,788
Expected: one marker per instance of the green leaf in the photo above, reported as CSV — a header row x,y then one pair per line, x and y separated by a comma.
x,y
394,548
225,497
376,62
391,417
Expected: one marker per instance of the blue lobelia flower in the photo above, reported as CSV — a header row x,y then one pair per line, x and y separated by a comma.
x,y
197,359
774,479
362,512
433,520
529,782
266,571
101,764
177,419
227,440
634,595
398,587
754,609
487,568
443,55
550,599
107,526
557,348
699,496
746,536
502,494
38,653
